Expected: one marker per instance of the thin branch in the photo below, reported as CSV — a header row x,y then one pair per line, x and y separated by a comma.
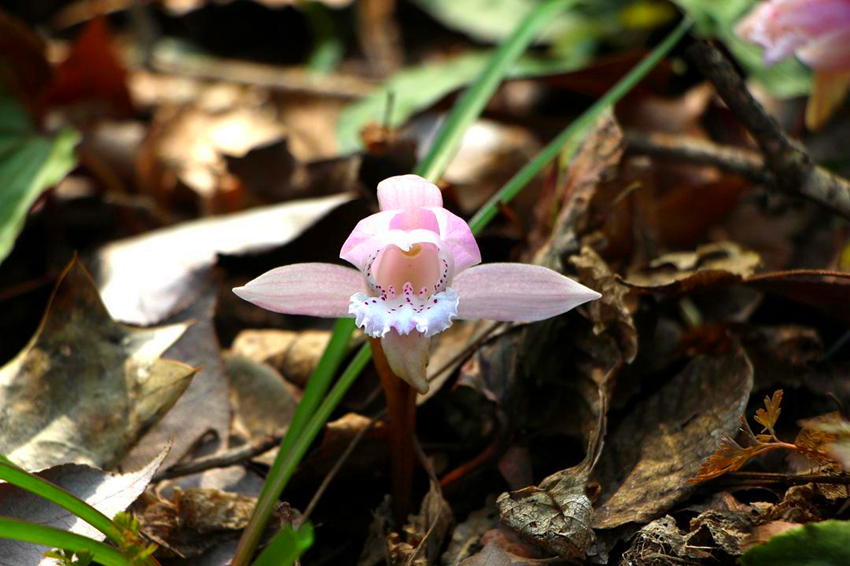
x,y
793,170
738,160
789,479
219,460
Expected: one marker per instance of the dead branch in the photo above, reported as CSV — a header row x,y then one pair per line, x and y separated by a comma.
x,y
738,160
794,172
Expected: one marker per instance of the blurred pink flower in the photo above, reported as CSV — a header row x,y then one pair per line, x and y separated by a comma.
x,y
818,33
416,272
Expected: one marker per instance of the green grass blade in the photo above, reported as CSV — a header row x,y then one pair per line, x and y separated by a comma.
x,y
43,488
475,98
12,529
486,213
287,546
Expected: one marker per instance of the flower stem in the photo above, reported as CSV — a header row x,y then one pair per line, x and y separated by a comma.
x,y
401,408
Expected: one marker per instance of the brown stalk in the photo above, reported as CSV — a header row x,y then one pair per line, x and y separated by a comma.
x,y
401,408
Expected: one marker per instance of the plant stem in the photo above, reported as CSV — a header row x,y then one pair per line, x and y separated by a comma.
x,y
401,408
13,529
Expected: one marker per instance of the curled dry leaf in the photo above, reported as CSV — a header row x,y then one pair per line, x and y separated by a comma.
x,y
86,388
148,278
556,515
596,161
191,521
681,273
611,311
656,450
108,493
423,534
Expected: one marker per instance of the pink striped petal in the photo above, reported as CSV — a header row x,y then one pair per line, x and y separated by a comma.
x,y
408,191
315,289
408,357
517,292
830,52
356,247
455,232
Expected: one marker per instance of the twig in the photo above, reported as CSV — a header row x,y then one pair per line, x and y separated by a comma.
x,y
792,479
793,170
361,434
219,460
704,152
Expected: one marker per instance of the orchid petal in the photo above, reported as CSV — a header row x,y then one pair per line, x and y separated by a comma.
x,y
829,89
455,232
406,192
829,52
356,247
315,289
517,292
408,357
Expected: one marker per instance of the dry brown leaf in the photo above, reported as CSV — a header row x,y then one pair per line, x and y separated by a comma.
x,y
560,216
557,514
263,405
204,407
682,273
611,312
423,535
86,388
186,149
293,354
767,416
652,455
92,81
191,521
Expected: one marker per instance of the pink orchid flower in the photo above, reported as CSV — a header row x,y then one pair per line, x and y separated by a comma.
x,y
416,272
818,33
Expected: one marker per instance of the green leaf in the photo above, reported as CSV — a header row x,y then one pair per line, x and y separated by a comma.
x,y
287,546
29,164
717,18
417,88
11,529
814,544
